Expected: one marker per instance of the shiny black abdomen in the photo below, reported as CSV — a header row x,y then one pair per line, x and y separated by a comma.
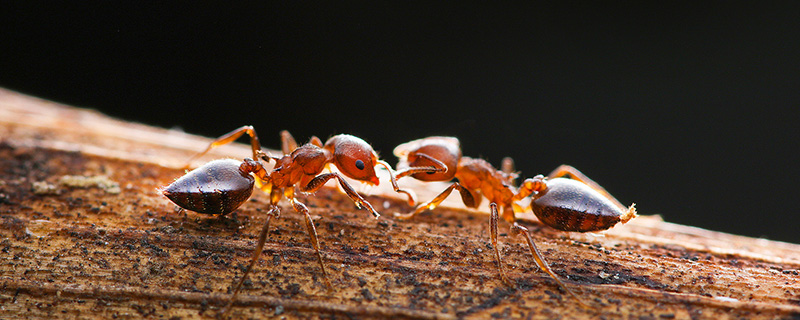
x,y
570,205
217,187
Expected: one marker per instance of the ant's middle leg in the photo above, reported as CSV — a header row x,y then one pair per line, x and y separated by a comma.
x,y
288,144
493,228
507,167
312,233
230,137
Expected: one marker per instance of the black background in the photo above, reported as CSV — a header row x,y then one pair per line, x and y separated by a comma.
x,y
689,110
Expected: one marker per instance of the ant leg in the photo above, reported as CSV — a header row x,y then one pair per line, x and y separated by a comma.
x,y
529,186
262,239
393,179
394,176
315,141
288,144
438,166
312,233
575,174
507,166
230,137
320,180
466,196
539,259
493,227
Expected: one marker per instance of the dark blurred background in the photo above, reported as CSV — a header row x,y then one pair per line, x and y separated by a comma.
x,y
689,110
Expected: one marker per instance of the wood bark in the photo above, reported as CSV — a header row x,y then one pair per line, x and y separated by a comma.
x,y
86,234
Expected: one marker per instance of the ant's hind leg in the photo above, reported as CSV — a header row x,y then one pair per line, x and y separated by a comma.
x,y
539,259
575,174
262,239
230,137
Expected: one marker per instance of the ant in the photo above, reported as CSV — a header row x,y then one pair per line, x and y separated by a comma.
x,y
221,186
576,204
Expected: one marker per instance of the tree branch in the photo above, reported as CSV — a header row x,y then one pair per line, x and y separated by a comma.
x,y
89,250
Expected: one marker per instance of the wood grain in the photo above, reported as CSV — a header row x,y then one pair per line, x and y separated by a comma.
x,y
90,250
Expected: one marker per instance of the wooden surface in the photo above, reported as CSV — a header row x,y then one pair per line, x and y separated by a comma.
x,y
85,234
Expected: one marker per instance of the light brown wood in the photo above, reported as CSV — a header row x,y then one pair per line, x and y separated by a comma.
x,y
103,243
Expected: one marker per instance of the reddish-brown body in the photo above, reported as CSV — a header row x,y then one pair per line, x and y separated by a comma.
x,y
217,187
299,167
477,178
564,204
570,205
221,186
479,175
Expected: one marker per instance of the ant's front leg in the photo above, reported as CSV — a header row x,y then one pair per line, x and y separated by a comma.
x,y
320,180
230,137
394,176
467,197
438,166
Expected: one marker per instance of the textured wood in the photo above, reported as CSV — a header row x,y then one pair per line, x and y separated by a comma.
x,y
86,234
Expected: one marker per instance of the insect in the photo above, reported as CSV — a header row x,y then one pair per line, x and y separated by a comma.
x,y
576,204
221,186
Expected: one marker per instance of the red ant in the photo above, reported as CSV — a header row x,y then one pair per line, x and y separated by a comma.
x,y
221,186
576,204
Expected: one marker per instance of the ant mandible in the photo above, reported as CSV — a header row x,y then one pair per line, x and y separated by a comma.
x,y
576,204
221,186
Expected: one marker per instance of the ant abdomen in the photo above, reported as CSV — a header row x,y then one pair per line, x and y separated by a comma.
x,y
217,187
570,205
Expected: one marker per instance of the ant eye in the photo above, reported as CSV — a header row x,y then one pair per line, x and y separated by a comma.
x,y
360,164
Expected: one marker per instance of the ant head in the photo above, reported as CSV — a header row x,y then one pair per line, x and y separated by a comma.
x,y
416,153
354,157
